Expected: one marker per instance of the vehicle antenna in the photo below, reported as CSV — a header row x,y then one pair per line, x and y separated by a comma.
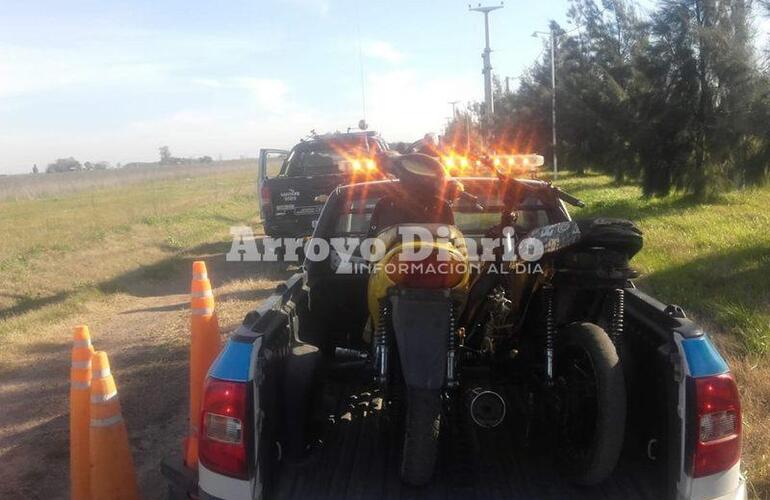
x,y
361,66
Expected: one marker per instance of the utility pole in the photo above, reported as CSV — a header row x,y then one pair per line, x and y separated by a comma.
x,y
508,83
487,70
454,108
552,34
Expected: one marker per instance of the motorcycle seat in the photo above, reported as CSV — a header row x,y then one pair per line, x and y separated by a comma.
x,y
615,234
390,235
619,235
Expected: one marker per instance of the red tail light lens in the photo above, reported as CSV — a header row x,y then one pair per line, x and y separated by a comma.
x,y
267,201
225,428
718,425
430,272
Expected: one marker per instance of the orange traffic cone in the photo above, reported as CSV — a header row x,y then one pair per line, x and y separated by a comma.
x,y
112,468
204,348
80,393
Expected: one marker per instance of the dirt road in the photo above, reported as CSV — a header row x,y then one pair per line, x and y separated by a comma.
x,y
145,332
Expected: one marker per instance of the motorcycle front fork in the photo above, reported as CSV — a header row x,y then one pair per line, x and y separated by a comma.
x,y
382,344
615,333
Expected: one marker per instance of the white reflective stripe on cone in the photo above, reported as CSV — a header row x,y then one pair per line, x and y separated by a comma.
x,y
200,276
203,311
101,373
81,364
81,343
80,385
103,398
106,422
202,294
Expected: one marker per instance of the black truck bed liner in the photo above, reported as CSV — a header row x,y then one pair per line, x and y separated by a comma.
x,y
360,459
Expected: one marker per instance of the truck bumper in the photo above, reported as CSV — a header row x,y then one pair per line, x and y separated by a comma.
x,y
182,482
289,226
727,485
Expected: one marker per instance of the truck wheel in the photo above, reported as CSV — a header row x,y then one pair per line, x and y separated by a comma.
x,y
592,403
423,421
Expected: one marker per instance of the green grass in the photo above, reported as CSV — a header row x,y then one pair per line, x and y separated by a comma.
x,y
59,253
712,259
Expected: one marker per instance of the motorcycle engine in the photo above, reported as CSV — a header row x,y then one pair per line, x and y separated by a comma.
x,y
497,328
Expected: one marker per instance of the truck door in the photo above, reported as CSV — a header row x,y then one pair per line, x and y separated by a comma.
x,y
270,163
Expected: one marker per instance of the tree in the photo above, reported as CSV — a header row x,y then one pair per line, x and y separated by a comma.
x,y
165,155
677,100
64,165
711,84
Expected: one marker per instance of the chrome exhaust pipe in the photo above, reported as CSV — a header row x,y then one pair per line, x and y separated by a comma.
x,y
487,407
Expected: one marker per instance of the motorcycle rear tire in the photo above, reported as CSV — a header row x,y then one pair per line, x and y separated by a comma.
x,y
597,461
421,433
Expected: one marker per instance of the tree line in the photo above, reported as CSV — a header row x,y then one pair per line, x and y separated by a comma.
x,y
678,99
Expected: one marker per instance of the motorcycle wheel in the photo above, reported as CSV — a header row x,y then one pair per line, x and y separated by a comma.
x,y
421,432
592,400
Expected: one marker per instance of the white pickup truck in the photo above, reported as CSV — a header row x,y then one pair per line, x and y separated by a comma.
x,y
280,427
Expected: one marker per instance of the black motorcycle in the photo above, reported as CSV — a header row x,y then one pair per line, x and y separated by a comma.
x,y
555,321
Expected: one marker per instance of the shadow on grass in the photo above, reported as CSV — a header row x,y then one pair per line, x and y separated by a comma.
x,y
636,207
729,288
26,304
168,277
639,209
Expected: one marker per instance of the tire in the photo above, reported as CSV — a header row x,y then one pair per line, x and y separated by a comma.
x,y
591,421
421,432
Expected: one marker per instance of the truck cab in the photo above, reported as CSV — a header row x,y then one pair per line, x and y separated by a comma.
x,y
293,185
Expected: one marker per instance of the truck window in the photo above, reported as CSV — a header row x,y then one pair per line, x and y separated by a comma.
x,y
355,212
326,158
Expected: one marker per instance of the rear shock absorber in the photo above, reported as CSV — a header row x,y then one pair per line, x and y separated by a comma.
x,y
381,344
550,331
451,354
618,308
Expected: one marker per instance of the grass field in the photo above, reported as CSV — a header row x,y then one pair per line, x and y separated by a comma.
x,y
61,254
712,259
61,251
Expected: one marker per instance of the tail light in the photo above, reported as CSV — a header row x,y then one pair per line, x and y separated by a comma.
x,y
267,201
430,272
717,426
225,428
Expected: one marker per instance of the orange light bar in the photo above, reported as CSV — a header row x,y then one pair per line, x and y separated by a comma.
x,y
511,163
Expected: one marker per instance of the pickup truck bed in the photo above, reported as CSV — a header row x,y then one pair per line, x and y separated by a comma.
x,y
360,459
663,355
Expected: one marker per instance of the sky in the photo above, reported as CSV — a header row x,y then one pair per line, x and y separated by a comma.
x,y
113,80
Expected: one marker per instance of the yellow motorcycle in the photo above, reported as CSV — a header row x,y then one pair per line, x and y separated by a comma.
x,y
415,294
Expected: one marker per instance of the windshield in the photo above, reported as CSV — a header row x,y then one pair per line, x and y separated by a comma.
x,y
356,212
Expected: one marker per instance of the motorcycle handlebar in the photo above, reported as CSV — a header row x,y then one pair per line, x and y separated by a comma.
x,y
569,198
472,199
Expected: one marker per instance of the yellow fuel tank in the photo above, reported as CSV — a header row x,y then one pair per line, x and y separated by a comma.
x,y
445,266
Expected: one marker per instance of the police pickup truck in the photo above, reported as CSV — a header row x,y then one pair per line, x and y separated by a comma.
x,y
683,425
293,185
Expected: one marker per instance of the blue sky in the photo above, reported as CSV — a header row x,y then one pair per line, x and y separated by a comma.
x,y
114,80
